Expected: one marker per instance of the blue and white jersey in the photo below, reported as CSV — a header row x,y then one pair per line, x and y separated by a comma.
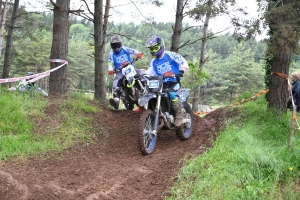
x,y
169,62
115,60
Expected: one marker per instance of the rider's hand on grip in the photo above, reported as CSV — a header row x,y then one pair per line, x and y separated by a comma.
x,y
111,72
180,73
139,56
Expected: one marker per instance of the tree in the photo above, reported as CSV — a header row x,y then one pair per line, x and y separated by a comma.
x,y
100,20
9,41
210,9
100,27
178,25
208,13
59,49
3,19
282,17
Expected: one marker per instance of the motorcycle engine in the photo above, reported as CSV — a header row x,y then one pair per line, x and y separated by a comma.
x,y
169,117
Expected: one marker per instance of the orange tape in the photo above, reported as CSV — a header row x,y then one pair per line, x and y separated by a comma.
x,y
281,75
251,98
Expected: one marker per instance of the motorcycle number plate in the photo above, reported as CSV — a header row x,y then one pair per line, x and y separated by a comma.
x,y
153,84
129,72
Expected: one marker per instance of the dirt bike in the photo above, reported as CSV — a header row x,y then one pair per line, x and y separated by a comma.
x,y
160,116
132,86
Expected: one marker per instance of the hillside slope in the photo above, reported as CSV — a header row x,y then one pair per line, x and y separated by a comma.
x,y
110,168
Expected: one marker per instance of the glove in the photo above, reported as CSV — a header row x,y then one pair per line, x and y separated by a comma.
x,y
180,73
139,56
111,72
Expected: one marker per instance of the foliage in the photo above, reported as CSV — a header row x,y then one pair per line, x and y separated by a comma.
x,y
233,76
32,50
250,156
194,76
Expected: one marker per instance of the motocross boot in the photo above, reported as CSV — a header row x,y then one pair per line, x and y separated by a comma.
x,y
177,107
116,100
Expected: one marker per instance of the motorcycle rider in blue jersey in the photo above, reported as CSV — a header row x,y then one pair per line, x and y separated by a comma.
x,y
118,55
167,64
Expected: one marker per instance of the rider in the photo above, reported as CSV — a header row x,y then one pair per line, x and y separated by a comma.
x,y
27,85
166,63
118,55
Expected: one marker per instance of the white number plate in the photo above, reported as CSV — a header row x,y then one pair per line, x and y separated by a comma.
x,y
153,84
127,71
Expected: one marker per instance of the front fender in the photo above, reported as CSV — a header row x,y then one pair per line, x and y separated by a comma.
x,y
143,100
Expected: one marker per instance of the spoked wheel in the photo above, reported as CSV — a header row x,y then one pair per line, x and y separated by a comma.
x,y
185,130
146,137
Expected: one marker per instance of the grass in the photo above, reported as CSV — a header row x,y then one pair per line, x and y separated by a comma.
x,y
249,160
17,114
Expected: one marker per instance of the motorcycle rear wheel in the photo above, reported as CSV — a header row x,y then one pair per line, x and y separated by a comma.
x,y
184,132
146,138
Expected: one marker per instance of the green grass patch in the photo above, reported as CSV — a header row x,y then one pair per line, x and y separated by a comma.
x,y
74,123
250,160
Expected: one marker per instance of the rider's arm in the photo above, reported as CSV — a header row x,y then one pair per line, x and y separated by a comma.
x,y
150,71
110,61
183,65
133,51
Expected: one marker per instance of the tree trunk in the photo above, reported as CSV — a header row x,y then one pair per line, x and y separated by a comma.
x,y
59,49
9,41
278,87
178,26
202,56
100,25
195,102
284,38
3,19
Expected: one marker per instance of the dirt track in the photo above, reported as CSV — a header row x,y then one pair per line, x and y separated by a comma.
x,y
112,168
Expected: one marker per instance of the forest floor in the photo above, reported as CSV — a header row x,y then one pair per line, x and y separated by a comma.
x,y
111,167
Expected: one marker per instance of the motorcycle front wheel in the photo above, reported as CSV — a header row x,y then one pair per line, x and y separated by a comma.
x,y
146,137
184,132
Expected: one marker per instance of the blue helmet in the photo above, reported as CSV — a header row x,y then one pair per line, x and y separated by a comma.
x,y
156,45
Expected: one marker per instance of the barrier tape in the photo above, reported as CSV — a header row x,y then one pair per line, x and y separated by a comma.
x,y
251,98
36,77
264,92
198,113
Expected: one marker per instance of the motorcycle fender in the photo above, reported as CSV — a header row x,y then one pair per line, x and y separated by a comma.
x,y
143,100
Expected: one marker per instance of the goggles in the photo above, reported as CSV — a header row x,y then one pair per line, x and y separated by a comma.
x,y
115,45
154,48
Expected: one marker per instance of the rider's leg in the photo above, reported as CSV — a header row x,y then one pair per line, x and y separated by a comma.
x,y
177,107
115,101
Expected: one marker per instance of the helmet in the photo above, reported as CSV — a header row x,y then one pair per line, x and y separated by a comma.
x,y
116,43
29,74
156,45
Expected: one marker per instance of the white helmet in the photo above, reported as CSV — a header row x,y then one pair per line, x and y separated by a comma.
x,y
116,43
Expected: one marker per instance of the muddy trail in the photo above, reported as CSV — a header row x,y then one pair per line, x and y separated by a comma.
x,y
111,167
